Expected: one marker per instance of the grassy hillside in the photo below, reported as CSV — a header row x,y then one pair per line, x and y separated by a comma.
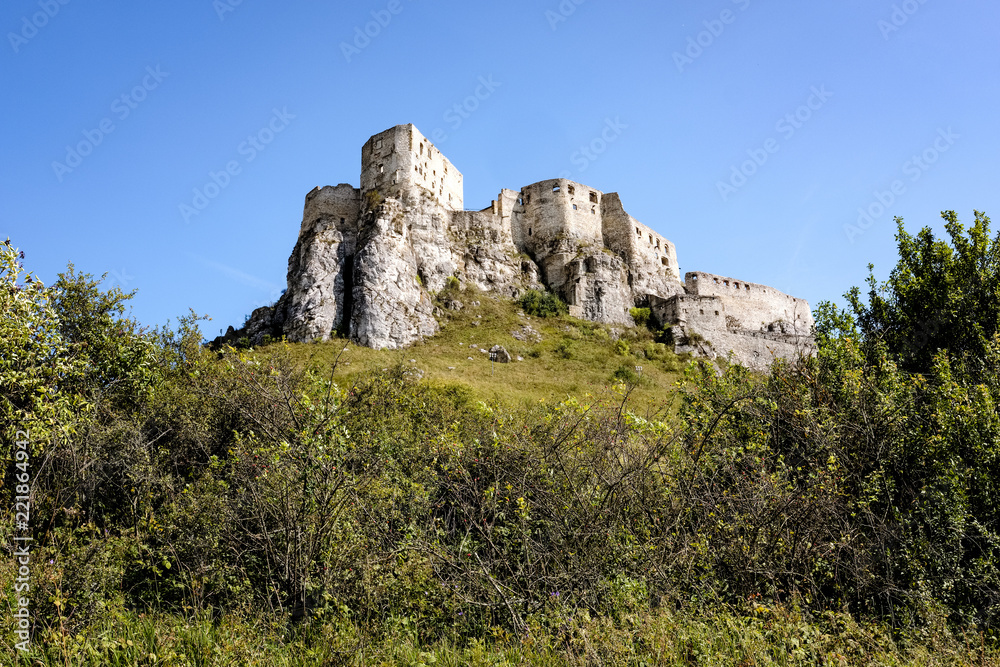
x,y
571,357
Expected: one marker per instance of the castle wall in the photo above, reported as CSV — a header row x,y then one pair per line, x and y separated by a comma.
x,y
651,257
549,214
700,313
511,213
401,158
754,306
339,206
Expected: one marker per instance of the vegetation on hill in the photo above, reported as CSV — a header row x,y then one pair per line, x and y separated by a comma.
x,y
307,505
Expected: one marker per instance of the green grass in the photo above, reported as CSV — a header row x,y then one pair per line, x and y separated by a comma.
x,y
719,636
575,357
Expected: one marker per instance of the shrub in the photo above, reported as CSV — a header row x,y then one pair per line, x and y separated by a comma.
x,y
542,304
657,352
625,374
622,347
641,316
373,200
565,349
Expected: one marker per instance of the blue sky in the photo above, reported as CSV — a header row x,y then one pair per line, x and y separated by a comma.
x,y
750,133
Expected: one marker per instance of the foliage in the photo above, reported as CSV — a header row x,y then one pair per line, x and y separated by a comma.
x,y
641,316
940,296
373,200
35,357
247,506
625,374
542,304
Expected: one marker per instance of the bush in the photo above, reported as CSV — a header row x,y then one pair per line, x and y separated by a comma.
x,y
625,374
641,316
565,349
657,352
622,347
542,304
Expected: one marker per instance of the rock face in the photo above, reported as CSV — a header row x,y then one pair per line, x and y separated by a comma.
x,y
367,260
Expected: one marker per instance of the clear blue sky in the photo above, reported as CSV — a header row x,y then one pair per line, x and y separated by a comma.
x,y
897,80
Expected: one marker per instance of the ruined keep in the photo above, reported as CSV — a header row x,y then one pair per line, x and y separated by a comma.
x,y
367,260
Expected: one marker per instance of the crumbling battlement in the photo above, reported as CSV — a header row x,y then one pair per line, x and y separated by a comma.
x,y
368,259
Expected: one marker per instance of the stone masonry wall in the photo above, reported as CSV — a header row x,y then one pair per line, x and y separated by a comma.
x,y
652,259
401,158
754,306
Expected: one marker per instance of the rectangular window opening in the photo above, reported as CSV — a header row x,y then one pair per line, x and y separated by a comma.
x,y
555,188
593,197
571,190
574,207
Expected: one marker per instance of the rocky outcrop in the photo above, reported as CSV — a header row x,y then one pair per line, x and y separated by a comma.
x,y
391,309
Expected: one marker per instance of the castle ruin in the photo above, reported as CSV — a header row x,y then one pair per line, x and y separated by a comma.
x,y
367,260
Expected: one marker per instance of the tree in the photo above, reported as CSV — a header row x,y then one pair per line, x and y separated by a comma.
x,y
35,363
940,296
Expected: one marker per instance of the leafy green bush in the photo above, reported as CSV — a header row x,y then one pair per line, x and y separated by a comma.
x,y
641,316
625,374
658,352
565,349
542,304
